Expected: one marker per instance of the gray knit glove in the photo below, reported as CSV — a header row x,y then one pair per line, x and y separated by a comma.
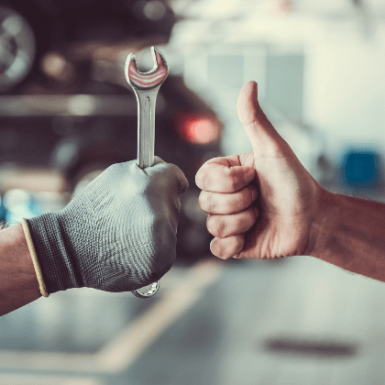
x,y
118,234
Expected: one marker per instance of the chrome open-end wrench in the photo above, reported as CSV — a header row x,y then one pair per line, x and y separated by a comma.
x,y
146,86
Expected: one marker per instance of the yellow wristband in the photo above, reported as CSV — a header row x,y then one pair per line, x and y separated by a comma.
x,y
32,252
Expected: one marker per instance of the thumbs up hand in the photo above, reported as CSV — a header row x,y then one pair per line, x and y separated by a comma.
x,y
261,204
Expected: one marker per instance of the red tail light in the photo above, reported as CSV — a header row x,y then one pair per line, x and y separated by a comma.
x,y
197,128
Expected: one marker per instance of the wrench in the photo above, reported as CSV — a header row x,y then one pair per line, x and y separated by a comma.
x,y
146,86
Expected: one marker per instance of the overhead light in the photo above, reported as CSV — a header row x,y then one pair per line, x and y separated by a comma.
x,y
154,10
196,128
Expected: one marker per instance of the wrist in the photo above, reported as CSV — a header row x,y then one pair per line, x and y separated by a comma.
x,y
14,244
324,225
18,283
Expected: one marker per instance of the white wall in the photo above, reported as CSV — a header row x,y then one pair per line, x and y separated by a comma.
x,y
345,91
344,79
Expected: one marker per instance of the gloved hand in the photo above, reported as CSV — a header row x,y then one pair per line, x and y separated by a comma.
x,y
118,234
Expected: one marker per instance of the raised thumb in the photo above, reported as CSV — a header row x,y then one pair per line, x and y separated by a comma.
x,y
263,136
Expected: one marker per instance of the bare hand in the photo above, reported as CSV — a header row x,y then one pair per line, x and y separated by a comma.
x,y
262,203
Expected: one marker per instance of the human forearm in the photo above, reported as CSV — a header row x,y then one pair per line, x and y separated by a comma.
x,y
18,282
350,233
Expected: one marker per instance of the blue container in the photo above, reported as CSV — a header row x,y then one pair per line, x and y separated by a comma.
x,y
3,211
362,169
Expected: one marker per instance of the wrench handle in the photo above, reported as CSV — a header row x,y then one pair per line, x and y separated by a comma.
x,y
146,146
146,126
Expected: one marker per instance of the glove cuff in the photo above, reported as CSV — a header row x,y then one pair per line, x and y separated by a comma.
x,y
35,261
54,257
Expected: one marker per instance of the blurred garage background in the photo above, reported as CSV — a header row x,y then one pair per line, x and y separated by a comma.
x,y
66,114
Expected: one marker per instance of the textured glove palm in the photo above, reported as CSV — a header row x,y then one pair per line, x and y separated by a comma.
x,y
118,234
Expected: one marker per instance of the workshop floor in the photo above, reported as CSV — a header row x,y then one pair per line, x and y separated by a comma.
x,y
289,322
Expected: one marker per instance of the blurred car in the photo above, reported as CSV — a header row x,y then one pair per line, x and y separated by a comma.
x,y
67,104
30,28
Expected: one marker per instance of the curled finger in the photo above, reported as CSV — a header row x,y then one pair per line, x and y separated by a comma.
x,y
222,178
230,203
223,226
225,248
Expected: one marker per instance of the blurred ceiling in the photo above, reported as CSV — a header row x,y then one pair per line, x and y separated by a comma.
x,y
277,21
219,9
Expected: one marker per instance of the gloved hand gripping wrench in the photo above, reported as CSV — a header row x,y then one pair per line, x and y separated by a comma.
x,y
146,86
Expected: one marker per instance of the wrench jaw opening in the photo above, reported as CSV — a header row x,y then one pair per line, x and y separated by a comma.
x,y
146,80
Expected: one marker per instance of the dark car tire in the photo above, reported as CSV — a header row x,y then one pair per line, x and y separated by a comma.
x,y
25,33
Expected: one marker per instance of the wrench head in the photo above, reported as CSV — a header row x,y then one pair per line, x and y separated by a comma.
x,y
146,80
